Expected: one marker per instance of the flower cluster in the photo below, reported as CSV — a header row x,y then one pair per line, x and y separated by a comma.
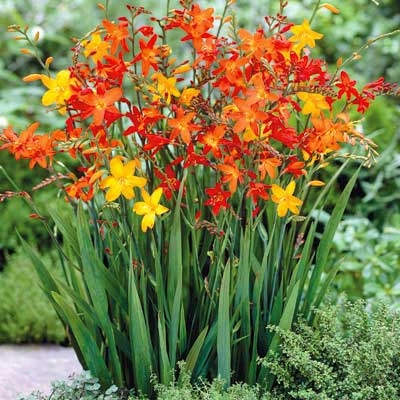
x,y
253,112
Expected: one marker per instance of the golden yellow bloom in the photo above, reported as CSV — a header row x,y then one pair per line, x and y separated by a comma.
x,y
59,89
314,103
285,199
165,88
122,181
96,48
149,208
188,95
303,36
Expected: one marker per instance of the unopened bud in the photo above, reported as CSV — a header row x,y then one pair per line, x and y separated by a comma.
x,y
316,183
26,52
331,8
36,33
48,61
32,77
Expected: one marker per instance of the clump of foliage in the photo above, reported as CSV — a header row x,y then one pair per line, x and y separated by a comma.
x,y
85,386
351,353
25,313
369,260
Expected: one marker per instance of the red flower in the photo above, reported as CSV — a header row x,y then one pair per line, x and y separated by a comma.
x,y
346,86
217,198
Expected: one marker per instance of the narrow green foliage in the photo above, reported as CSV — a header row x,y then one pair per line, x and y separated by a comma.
x,y
224,347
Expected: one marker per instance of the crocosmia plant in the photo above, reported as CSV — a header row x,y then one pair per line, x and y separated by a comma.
x,y
191,161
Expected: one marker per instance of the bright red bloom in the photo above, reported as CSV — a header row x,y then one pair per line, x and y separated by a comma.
x,y
217,198
347,86
169,182
294,167
257,191
142,120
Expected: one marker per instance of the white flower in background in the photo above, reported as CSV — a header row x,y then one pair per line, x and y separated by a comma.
x,y
36,33
3,122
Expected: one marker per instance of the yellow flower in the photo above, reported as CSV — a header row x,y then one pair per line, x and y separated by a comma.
x,y
285,199
303,36
149,208
188,95
122,181
165,88
314,103
59,89
96,47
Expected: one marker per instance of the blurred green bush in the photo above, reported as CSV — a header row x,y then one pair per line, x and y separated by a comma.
x,y
26,315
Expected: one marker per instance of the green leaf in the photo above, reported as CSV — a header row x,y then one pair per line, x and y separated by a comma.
x,y
285,323
194,352
139,338
224,331
175,270
89,348
165,365
326,244
91,265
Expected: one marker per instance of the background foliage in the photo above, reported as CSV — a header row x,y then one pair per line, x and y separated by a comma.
x,y
25,314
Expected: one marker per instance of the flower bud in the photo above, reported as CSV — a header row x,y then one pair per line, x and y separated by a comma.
x,y
331,8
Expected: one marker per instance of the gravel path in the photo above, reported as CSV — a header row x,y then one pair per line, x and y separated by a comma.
x,y
28,368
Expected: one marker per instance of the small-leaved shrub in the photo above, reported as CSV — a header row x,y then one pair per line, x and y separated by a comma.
x,y
351,354
25,313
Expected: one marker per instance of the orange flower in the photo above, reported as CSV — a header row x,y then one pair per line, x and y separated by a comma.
x,y
182,125
117,34
231,173
39,149
199,22
99,103
149,54
268,166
